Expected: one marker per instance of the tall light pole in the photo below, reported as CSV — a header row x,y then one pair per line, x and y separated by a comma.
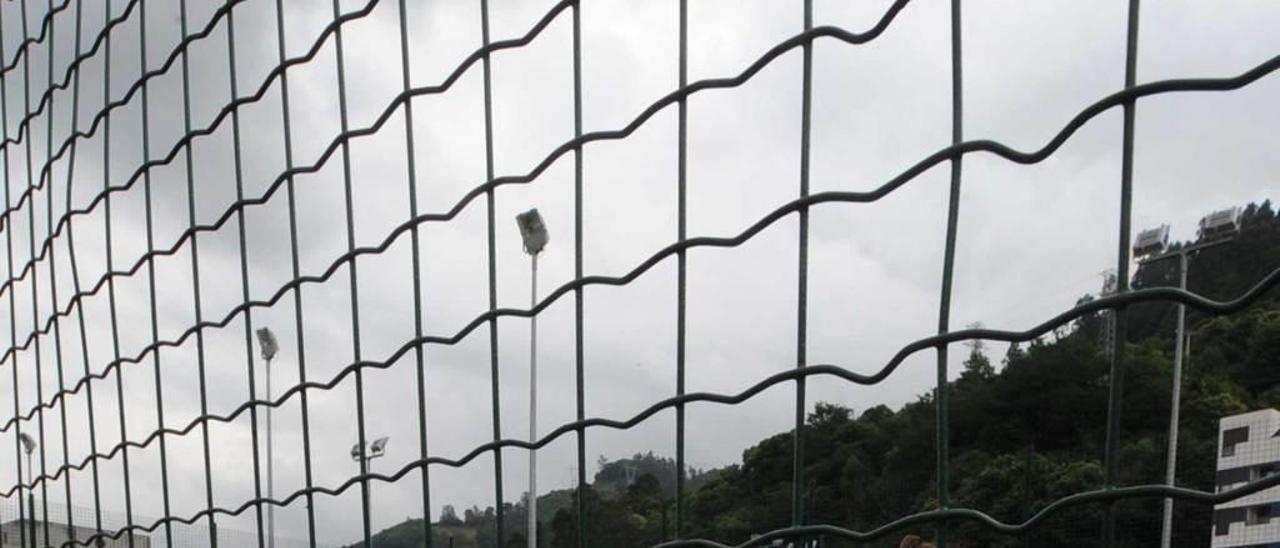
x,y
267,342
533,232
1216,228
377,448
29,445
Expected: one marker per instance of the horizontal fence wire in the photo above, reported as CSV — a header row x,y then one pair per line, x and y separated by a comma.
x,y
99,523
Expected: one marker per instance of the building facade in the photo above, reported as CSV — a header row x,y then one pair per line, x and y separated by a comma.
x,y
1248,449
11,536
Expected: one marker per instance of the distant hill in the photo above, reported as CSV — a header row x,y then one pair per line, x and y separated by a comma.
x,y
408,534
1023,433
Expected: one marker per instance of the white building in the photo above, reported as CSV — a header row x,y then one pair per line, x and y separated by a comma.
x,y
12,532
1248,449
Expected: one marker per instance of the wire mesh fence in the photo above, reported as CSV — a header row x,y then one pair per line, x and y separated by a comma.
x,y
184,535
63,92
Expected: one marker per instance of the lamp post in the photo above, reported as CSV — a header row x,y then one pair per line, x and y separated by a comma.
x,y
1216,228
378,448
267,342
29,445
533,233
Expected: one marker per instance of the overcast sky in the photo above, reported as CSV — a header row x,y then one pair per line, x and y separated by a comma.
x,y
1032,239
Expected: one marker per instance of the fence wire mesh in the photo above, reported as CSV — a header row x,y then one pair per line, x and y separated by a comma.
x,y
57,103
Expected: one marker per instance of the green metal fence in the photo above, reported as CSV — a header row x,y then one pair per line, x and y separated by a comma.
x,y
50,22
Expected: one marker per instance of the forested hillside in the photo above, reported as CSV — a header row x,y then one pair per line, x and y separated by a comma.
x,y
1027,428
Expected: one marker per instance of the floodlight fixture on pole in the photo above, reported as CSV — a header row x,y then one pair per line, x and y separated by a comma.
x,y
533,233
29,445
363,453
267,343
1152,241
269,347
377,448
1221,224
1150,246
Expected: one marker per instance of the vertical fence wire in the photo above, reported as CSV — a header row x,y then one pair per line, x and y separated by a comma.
x,y
491,211
802,275
53,281
1115,396
286,126
197,307
76,286
353,277
35,288
942,401
682,263
406,81
151,274
251,372
579,320
111,285
13,305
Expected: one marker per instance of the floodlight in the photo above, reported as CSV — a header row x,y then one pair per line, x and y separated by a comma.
x,y
267,341
1151,241
533,231
356,452
28,443
378,447
1221,223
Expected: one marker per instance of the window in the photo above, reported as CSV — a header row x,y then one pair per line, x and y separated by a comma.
x,y
1233,437
1258,515
1223,518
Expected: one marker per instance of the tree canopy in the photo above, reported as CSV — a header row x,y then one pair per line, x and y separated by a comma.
x,y
1023,433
